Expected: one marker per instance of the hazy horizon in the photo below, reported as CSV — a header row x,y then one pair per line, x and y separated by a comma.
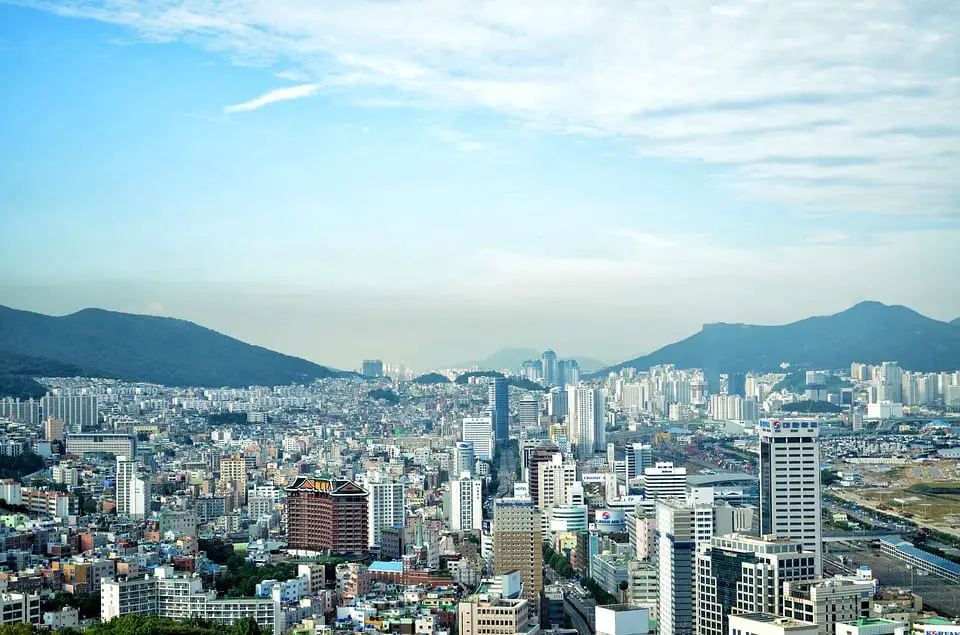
x,y
431,181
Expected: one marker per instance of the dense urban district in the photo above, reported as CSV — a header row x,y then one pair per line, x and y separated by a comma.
x,y
530,500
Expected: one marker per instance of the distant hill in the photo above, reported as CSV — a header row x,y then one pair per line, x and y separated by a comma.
x,y
513,358
955,321
516,382
432,378
94,342
868,332
17,372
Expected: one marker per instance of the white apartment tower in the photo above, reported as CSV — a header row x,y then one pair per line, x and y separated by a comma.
x,y
585,422
465,503
790,504
479,432
385,508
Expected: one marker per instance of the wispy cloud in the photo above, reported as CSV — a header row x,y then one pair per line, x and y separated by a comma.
x,y
736,84
273,96
460,141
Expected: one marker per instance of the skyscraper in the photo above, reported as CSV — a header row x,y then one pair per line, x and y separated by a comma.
x,y
462,459
326,515
126,470
233,478
663,480
139,497
517,544
373,368
385,505
585,422
555,478
464,503
744,574
790,504
550,368
681,526
529,411
497,398
479,432
639,456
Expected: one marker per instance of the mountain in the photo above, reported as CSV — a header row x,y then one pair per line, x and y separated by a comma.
x,y
513,358
955,321
94,342
868,332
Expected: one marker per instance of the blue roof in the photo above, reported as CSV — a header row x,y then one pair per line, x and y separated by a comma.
x,y
929,558
387,567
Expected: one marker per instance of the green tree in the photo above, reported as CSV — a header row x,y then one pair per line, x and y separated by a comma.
x,y
246,626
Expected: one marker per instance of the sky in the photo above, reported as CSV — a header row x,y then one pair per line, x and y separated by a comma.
x,y
429,181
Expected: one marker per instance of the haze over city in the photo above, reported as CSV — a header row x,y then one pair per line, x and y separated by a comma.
x,y
433,181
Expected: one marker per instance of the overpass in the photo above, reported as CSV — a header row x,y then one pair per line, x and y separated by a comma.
x,y
855,536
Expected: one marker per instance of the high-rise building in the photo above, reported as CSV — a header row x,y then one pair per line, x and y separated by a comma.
x,y
140,496
517,543
373,368
537,457
233,478
664,480
76,412
53,429
528,411
586,425
550,368
327,515
464,503
790,504
497,400
554,481
23,411
385,504
638,458
533,370
890,383
557,403
462,458
479,432
681,527
126,470
87,443
743,574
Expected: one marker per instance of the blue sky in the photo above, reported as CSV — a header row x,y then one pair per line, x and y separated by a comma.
x,y
431,180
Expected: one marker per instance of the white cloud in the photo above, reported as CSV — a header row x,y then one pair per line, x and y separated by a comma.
x,y
460,141
273,96
740,84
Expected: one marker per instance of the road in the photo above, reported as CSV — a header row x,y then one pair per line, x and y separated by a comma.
x,y
576,604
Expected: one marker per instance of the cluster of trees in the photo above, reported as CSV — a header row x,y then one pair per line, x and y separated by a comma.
x,y
385,394
601,596
818,407
16,467
241,578
147,625
87,604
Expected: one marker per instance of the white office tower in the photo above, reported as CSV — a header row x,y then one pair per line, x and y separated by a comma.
x,y
557,403
385,509
790,504
555,480
681,527
126,470
743,574
585,422
664,480
139,496
639,456
464,503
528,411
463,458
479,432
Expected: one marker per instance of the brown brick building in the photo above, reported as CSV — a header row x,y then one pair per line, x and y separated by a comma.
x,y
326,515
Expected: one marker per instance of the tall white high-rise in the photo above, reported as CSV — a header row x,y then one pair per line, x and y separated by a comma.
x,y
664,480
790,504
528,411
464,503
385,508
462,459
555,479
585,421
479,432
681,527
126,470
139,496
